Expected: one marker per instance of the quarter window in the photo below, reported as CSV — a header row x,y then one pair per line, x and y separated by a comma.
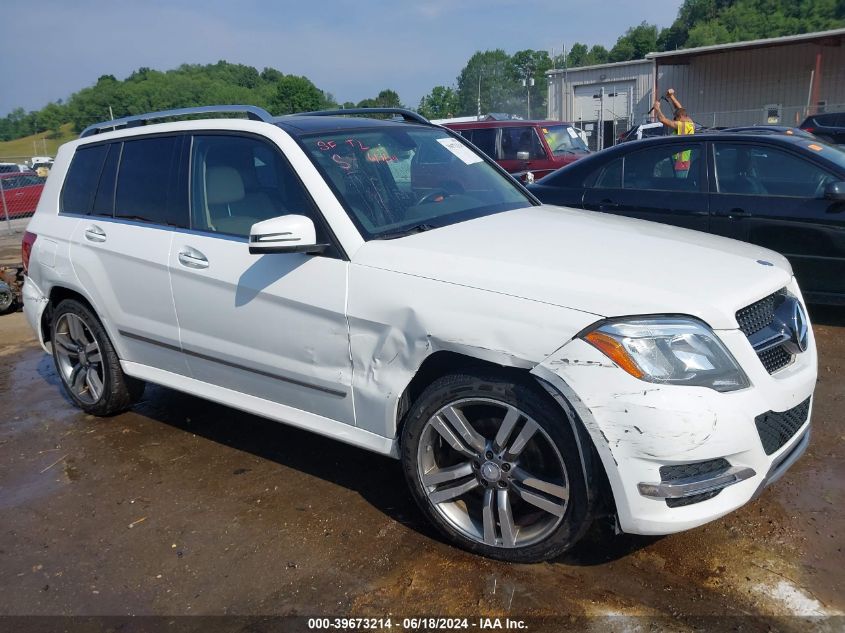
x,y
608,177
82,178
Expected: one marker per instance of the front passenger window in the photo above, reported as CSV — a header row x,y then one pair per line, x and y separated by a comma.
x,y
762,170
238,181
521,140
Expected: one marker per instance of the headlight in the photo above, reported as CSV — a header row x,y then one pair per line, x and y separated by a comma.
x,y
668,350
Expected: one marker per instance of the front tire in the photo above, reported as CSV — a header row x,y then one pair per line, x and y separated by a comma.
x,y
493,462
87,363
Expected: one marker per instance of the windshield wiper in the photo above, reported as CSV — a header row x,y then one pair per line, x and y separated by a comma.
x,y
417,228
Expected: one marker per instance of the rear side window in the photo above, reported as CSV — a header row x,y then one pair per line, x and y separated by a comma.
x,y
484,139
83,175
827,120
675,167
149,184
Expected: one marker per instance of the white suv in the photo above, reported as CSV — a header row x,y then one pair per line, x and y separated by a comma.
x,y
383,283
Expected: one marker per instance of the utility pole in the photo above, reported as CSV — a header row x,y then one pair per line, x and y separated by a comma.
x,y
565,91
528,82
479,94
600,119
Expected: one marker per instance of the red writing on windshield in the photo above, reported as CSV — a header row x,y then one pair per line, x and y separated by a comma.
x,y
325,146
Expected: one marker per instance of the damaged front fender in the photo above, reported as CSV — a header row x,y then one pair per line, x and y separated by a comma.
x,y
389,341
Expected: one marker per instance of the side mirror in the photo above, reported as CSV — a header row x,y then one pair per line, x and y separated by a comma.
x,y
835,191
522,156
284,234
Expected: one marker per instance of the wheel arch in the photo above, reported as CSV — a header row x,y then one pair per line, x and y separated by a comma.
x,y
56,295
442,363
445,362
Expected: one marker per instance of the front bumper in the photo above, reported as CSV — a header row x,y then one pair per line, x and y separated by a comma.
x,y
638,428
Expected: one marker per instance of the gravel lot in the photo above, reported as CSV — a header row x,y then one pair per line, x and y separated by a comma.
x,y
184,507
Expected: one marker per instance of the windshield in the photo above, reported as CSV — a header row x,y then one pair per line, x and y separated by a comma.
x,y
395,179
563,139
834,153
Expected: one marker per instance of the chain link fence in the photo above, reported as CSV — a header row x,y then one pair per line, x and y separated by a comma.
x,y
20,191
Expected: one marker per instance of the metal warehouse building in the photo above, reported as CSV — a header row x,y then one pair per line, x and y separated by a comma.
x,y
776,81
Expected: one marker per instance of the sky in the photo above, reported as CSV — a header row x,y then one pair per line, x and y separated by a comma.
x,y
350,48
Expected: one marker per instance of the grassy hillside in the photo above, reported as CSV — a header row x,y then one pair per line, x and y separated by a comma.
x,y
36,144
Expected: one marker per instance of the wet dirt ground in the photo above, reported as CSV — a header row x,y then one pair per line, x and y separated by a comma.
x,y
183,507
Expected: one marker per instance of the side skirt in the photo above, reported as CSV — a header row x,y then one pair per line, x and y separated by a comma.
x,y
266,409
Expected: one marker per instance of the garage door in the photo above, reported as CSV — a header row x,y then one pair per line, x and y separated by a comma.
x,y
586,107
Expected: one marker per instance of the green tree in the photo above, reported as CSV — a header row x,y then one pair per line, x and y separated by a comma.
x,y
598,55
440,103
705,22
525,65
50,117
490,74
576,56
385,99
296,94
635,43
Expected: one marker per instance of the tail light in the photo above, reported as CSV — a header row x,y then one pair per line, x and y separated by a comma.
x,y
26,249
809,129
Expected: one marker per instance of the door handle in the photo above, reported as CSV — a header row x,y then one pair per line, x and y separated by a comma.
x,y
606,204
734,214
192,258
95,234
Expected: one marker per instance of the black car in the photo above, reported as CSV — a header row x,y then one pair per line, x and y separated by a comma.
x,y
771,129
783,192
829,126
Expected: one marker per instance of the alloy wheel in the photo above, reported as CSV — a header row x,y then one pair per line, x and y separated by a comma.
x,y
79,358
493,473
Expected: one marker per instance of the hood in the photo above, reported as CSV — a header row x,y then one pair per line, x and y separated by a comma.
x,y
589,261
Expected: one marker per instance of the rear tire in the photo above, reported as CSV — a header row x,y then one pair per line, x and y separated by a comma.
x,y
8,301
87,363
493,462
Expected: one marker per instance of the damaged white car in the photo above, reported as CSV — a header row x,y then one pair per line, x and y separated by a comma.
x,y
384,283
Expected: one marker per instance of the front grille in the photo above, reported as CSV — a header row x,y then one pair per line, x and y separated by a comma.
x,y
775,358
758,316
776,428
682,471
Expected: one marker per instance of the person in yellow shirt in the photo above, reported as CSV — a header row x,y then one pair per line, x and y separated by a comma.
x,y
681,124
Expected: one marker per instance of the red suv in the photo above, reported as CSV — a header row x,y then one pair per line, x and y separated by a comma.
x,y
538,147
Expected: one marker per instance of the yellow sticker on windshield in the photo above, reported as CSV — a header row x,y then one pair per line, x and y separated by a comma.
x,y
815,147
545,131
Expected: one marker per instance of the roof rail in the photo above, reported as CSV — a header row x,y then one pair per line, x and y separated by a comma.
x,y
253,112
408,115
